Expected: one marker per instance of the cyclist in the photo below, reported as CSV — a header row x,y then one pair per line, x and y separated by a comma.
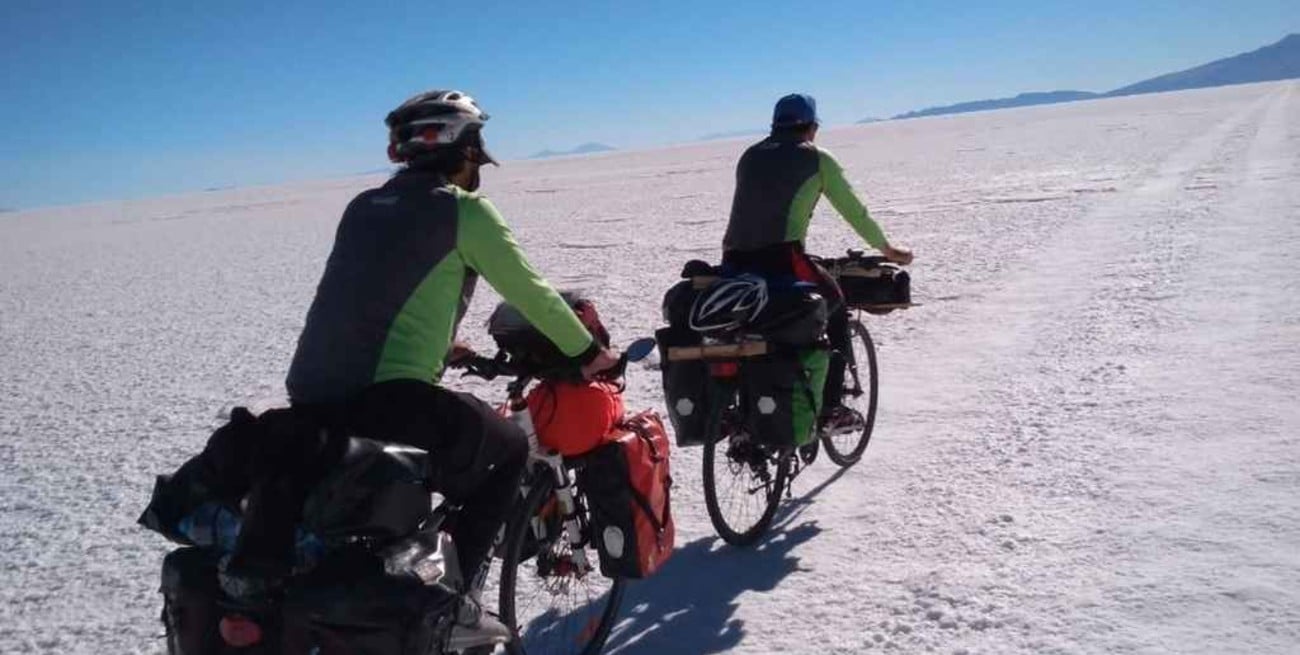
x,y
778,183
403,269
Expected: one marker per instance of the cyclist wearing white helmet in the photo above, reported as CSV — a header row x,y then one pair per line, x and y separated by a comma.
x,y
401,274
778,183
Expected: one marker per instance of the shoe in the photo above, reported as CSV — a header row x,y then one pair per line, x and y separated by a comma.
x,y
808,452
475,627
839,420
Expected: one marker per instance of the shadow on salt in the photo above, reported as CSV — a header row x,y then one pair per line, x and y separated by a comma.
x,y
689,606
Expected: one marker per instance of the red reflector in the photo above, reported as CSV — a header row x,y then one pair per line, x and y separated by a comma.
x,y
724,369
239,631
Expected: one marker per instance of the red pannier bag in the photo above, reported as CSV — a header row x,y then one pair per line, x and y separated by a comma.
x,y
573,418
626,483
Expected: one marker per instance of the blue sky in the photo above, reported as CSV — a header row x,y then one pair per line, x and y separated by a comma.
x,y
108,100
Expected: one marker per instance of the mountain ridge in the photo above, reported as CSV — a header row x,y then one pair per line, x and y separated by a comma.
x,y
1276,61
584,149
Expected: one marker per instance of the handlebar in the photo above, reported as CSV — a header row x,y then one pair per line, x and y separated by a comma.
x,y
856,257
490,368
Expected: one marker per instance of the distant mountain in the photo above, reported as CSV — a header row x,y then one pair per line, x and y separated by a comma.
x,y
734,134
1022,100
584,149
870,119
1280,61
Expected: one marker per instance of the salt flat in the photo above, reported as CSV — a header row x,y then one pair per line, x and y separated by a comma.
x,y
1088,442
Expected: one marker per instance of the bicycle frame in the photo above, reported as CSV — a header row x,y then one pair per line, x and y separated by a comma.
x,y
516,409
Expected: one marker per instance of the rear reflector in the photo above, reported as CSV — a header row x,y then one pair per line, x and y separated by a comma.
x,y
724,369
239,631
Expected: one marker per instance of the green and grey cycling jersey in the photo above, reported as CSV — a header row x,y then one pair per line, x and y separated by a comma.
x,y
778,183
405,262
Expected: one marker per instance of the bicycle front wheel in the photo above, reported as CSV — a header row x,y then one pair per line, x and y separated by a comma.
x,y
861,386
743,482
553,606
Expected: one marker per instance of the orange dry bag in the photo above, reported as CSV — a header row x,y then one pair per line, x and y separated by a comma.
x,y
573,418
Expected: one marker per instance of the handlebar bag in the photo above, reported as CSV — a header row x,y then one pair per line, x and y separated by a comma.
x,y
626,483
527,345
883,284
573,418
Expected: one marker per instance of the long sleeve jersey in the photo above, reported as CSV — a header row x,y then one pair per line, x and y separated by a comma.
x,y
778,183
405,262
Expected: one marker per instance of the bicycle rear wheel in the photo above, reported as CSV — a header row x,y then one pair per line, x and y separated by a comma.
x,y
861,386
552,608
743,482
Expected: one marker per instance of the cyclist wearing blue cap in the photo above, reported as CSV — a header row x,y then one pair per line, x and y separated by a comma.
x,y
778,183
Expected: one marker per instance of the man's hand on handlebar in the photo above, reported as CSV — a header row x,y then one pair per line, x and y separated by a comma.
x,y
897,255
606,359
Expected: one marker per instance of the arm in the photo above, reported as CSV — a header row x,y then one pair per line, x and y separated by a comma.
x,y
845,201
487,246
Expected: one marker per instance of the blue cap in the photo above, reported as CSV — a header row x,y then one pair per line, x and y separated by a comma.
x,y
795,109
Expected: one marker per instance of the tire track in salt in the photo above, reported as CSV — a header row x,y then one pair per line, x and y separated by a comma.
x,y
1011,497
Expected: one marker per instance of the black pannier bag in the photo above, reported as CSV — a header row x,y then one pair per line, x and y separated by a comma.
x,y
191,602
525,344
689,392
881,284
781,395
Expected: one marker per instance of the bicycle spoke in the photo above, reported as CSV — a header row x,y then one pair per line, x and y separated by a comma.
x,y
742,487
556,607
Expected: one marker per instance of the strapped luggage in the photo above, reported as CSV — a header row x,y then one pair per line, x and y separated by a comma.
x,y
573,418
361,602
377,489
795,315
627,484
781,395
399,601
678,301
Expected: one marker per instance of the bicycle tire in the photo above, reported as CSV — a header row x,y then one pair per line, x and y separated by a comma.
x,y
588,639
739,535
846,457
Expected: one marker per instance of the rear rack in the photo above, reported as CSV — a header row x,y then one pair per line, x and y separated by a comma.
x,y
719,351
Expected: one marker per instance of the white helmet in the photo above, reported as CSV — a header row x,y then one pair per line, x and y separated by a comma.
x,y
729,304
434,120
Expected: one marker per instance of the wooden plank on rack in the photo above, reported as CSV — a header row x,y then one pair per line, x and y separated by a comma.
x,y
718,351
